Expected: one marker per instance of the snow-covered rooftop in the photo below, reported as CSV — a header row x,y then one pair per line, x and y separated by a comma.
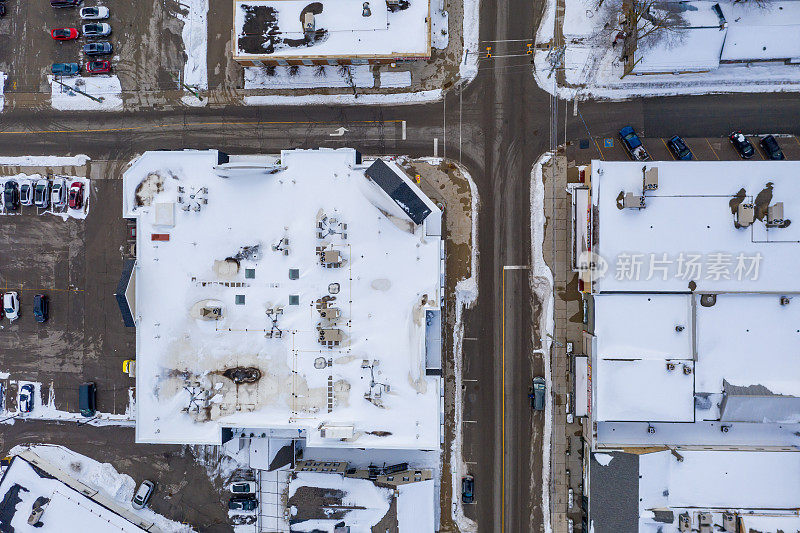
x,y
686,232
299,272
275,29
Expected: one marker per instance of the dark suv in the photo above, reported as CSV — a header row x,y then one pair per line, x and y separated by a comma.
x,y
243,503
679,149
771,148
467,489
87,399
40,307
11,196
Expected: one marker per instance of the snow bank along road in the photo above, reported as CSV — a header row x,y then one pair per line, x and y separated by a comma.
x,y
498,127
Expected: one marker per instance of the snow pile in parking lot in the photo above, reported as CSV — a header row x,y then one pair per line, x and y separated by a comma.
x,y
105,88
102,477
195,42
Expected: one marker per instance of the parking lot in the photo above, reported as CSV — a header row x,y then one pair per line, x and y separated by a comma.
x,y
77,264
703,149
148,50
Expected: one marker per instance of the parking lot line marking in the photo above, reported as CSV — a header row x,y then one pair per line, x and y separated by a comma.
x,y
712,148
796,139
599,150
242,123
667,147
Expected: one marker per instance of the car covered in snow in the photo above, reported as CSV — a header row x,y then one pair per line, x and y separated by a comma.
x,y
98,48
25,400
11,305
96,29
76,195
94,13
742,146
65,69
143,494
58,193
633,145
26,193
41,193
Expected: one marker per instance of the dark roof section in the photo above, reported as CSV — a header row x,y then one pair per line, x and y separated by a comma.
x,y
122,286
614,494
399,191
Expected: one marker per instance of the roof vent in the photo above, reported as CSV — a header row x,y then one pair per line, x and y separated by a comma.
x,y
651,430
650,179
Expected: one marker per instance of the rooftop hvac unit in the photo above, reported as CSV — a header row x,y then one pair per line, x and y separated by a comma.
x,y
729,522
308,22
650,179
745,215
633,201
684,523
775,215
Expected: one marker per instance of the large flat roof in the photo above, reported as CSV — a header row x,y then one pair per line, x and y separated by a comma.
x,y
324,295
691,214
274,29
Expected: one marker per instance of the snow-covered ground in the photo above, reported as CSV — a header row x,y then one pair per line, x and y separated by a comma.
x,y
101,477
105,88
308,77
45,409
593,69
542,287
44,160
346,99
195,42
439,29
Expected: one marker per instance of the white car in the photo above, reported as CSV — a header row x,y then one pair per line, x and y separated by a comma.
x,y
58,193
242,487
11,305
94,13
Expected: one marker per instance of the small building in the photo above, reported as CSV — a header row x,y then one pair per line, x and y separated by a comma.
x,y
345,32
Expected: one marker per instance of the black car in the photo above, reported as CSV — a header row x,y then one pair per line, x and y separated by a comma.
x,y
64,3
87,399
771,148
243,503
98,49
40,307
742,145
11,196
679,149
467,489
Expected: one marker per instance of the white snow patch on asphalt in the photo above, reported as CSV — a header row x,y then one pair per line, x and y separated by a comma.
x,y
105,88
195,43
542,287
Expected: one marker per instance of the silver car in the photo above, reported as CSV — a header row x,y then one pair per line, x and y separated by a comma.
x,y
143,494
96,29
41,193
26,193
58,194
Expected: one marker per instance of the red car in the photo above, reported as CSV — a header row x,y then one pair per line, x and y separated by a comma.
x,y
98,67
76,195
64,34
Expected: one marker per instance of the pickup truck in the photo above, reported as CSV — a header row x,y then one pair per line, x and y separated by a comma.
x,y
633,144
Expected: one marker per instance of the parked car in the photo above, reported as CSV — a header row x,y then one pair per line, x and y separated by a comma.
x,y
64,3
65,69
467,489
537,394
94,13
87,398
98,48
96,29
76,195
679,149
58,192
242,487
41,308
11,196
64,34
26,193
41,193
11,305
742,145
142,495
2,10
633,145
243,503
772,148
25,402
98,67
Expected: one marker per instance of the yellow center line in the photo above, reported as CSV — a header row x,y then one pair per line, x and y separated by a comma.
x,y
170,125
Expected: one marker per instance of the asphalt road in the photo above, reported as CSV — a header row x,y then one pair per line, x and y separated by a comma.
x,y
497,127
